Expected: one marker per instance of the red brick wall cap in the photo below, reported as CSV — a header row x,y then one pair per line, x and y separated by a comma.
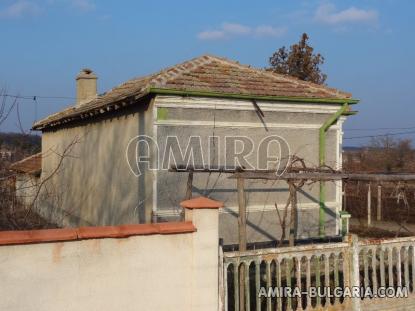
x,y
201,202
69,234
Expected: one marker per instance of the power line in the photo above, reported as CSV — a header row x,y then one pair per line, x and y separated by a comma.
x,y
35,112
34,97
380,135
381,128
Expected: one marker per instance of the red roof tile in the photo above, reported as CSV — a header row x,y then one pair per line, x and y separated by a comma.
x,y
202,74
30,165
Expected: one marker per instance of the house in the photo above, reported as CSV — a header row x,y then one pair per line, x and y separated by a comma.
x,y
6,154
109,154
27,178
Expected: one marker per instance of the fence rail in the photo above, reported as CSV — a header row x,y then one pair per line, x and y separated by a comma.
x,y
370,264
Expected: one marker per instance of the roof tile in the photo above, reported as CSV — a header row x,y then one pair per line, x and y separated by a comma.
x,y
30,165
205,73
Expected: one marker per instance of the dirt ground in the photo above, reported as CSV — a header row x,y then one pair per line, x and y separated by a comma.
x,y
377,233
397,201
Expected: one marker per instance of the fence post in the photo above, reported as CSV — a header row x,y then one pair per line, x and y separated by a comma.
x,y
369,206
354,270
221,305
204,214
379,211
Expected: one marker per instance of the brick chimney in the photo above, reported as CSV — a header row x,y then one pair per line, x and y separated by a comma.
x,y
86,86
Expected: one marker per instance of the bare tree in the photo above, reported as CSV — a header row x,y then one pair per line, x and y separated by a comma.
x,y
6,107
14,214
382,154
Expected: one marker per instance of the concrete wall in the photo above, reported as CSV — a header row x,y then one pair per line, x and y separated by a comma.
x,y
158,267
92,184
297,123
26,186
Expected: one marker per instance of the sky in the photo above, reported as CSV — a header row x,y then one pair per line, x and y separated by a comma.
x,y
368,46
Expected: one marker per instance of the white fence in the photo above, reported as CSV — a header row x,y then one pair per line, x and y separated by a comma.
x,y
375,265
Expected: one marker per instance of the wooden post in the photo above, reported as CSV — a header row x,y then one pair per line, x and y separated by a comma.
x,y
189,186
369,206
242,239
242,214
344,196
293,217
379,209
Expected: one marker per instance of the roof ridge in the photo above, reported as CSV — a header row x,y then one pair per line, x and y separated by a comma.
x,y
175,71
162,74
280,77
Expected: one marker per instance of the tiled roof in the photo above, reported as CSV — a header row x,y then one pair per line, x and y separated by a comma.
x,y
209,74
30,165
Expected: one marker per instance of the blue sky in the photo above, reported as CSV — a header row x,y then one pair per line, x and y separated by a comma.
x,y
368,46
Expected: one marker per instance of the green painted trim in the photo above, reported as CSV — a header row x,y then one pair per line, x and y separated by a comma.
x,y
162,113
322,160
323,129
349,113
344,222
162,91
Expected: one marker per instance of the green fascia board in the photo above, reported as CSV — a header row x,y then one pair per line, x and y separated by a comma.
x,y
161,113
165,91
349,113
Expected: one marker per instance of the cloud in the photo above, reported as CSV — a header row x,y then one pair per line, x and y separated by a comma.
x,y
83,5
211,35
235,29
24,8
19,9
268,31
327,14
78,5
230,30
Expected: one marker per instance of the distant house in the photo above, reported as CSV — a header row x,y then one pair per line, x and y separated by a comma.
x,y
27,178
5,154
95,148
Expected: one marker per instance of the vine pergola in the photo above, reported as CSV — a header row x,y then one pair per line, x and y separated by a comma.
x,y
295,177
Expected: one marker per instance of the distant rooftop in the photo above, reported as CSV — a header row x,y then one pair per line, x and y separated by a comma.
x,y
30,165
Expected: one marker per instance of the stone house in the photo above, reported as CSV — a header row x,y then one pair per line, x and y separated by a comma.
x,y
27,178
100,170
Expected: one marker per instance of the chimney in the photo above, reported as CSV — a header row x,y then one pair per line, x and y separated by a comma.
x,y
86,86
